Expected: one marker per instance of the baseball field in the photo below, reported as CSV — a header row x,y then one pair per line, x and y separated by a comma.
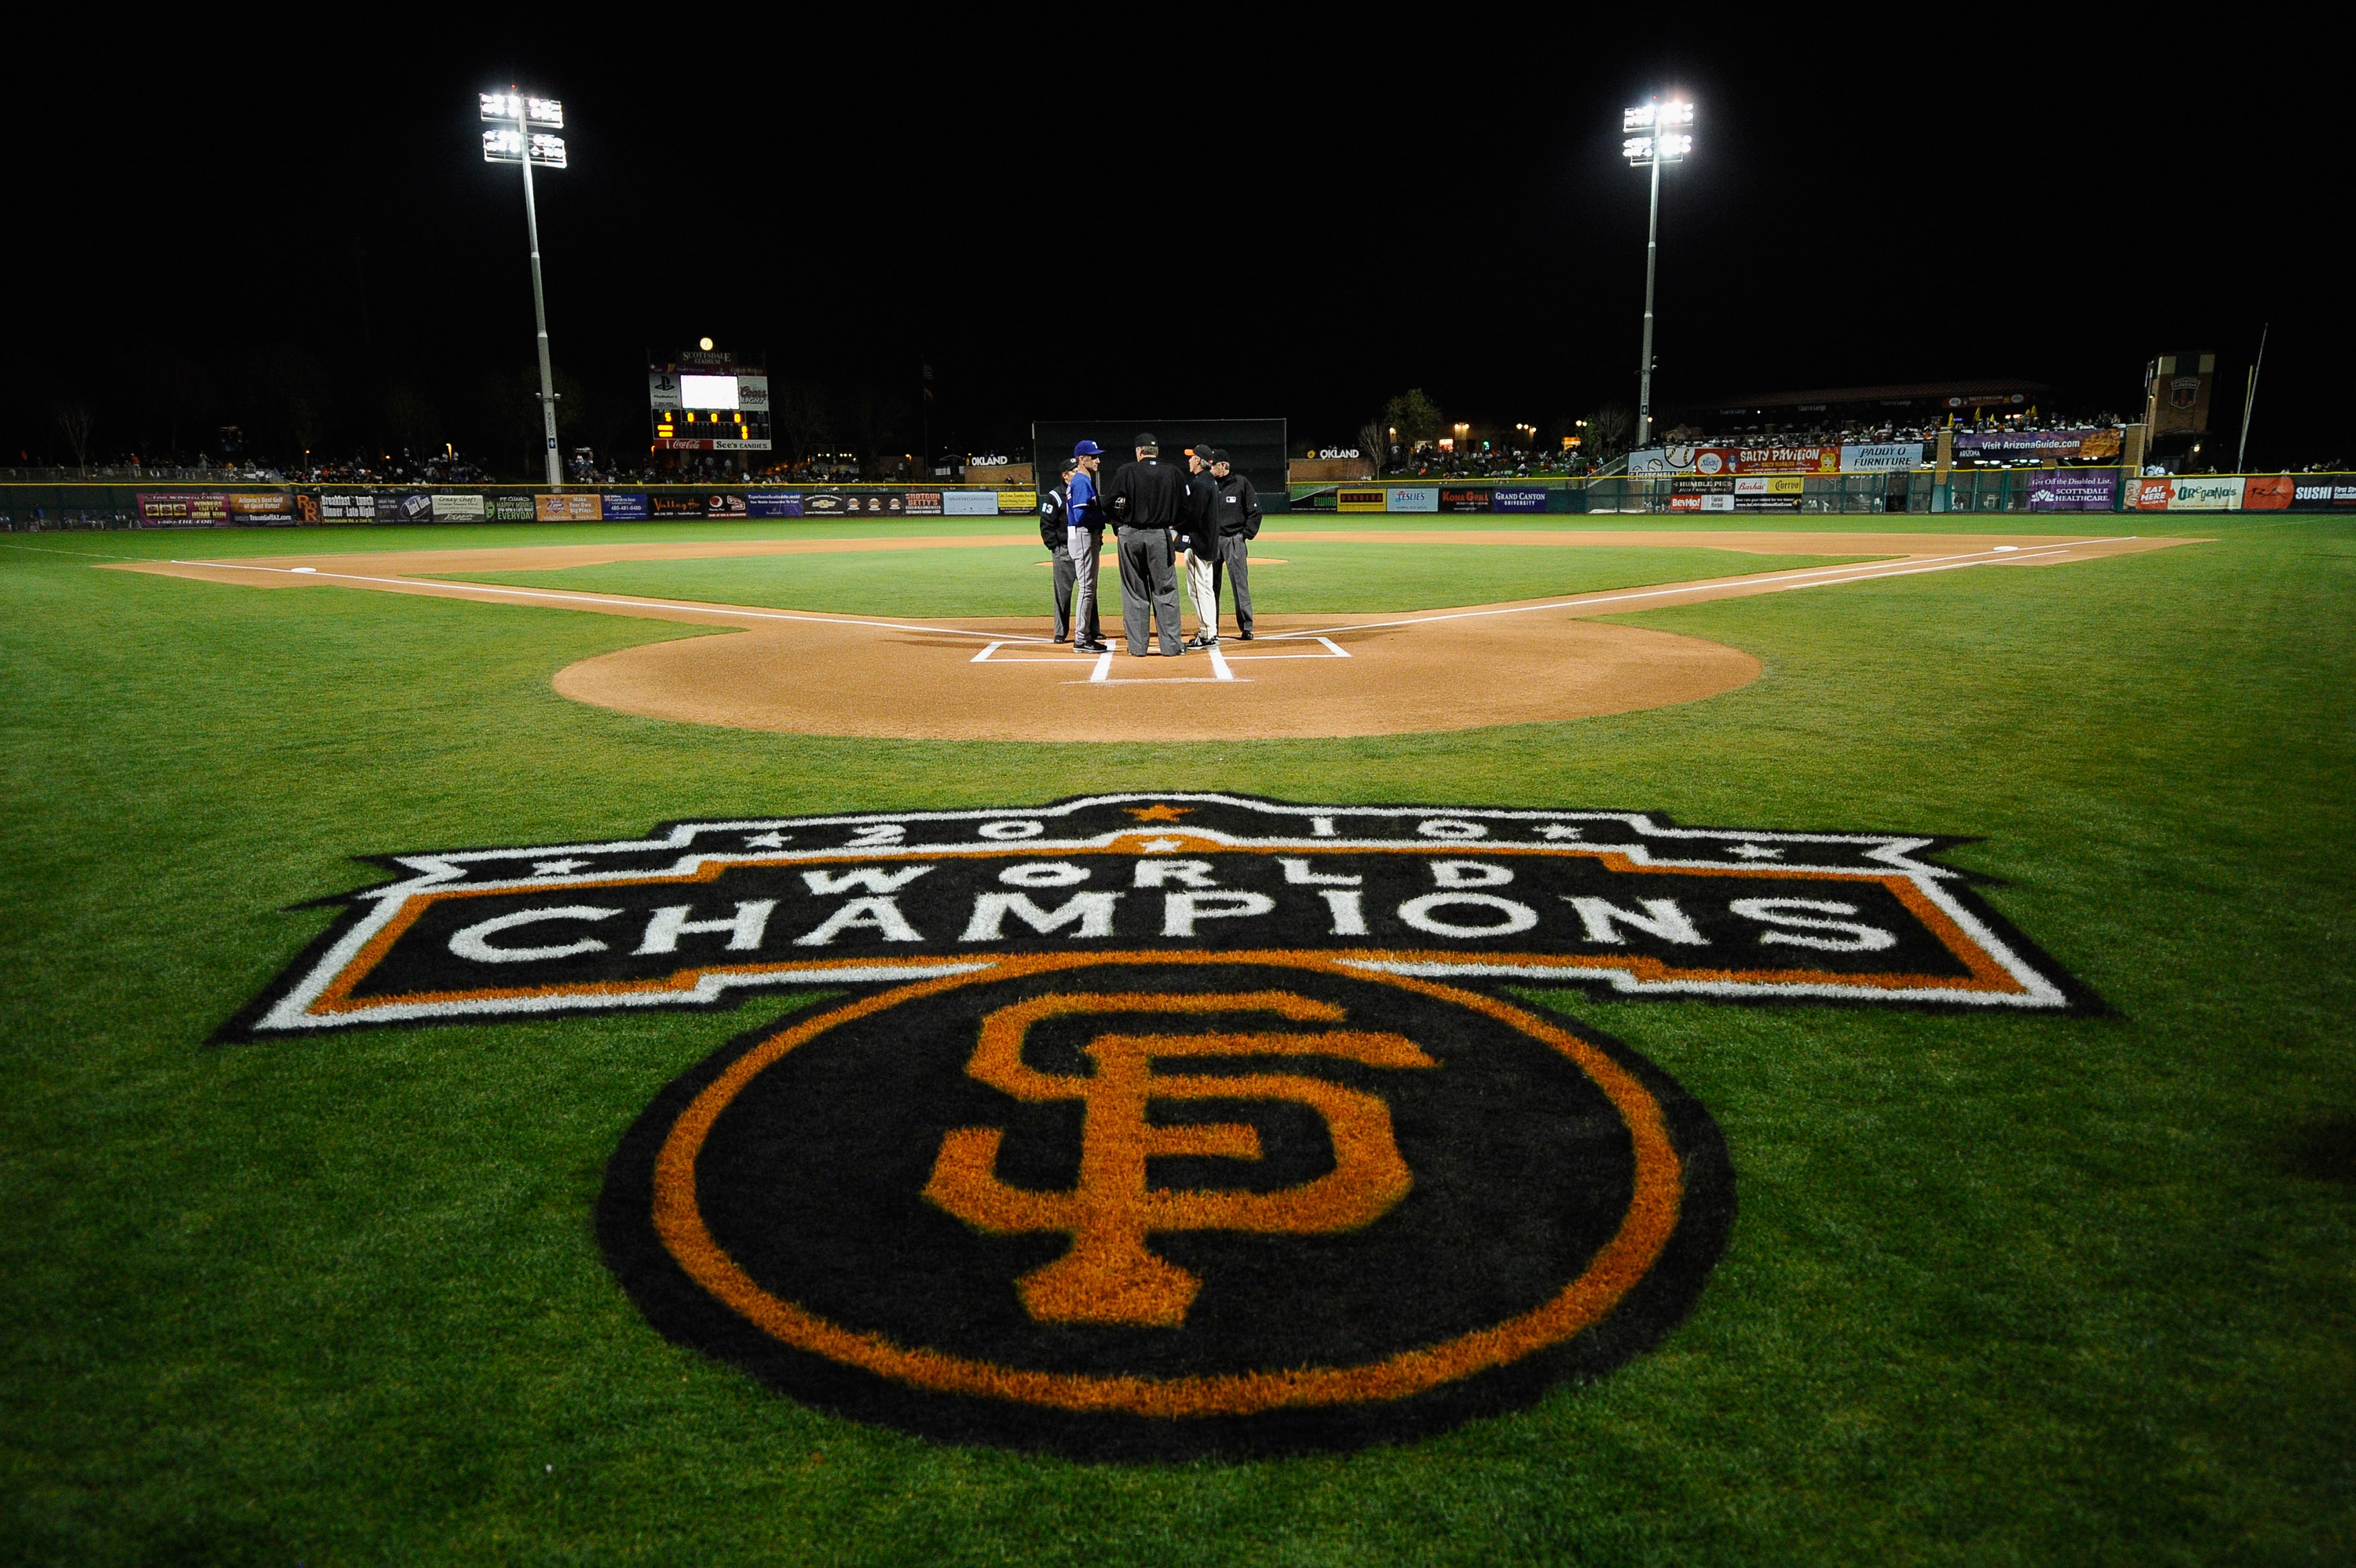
x,y
2047,1258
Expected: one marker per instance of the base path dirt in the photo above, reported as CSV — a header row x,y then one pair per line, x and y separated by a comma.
x,y
805,673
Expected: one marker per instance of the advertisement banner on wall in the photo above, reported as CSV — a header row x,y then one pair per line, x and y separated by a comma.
x,y
2189,494
1369,499
1017,501
2267,493
773,504
1455,499
2091,444
1506,500
569,507
729,504
2319,494
450,508
342,506
1767,460
1889,457
675,506
261,506
509,508
2207,495
1769,492
183,508
1413,498
924,503
403,507
1661,460
625,508
2072,490
1700,494
969,503
854,504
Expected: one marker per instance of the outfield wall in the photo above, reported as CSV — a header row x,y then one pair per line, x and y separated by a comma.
x,y
2081,490
25,505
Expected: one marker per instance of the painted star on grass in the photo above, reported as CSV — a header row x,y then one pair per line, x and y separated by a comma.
x,y
1758,852
1158,813
1558,830
772,840
1163,846
556,867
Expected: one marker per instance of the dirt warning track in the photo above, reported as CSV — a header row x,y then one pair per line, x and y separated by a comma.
x,y
804,672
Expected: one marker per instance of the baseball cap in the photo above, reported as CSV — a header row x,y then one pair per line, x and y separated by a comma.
x,y
1087,449
1145,437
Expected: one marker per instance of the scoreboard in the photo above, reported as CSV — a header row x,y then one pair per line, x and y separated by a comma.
x,y
702,401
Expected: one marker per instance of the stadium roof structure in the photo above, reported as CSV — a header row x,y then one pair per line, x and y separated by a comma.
x,y
1901,395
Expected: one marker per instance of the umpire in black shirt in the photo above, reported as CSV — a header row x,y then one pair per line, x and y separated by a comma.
x,y
1147,498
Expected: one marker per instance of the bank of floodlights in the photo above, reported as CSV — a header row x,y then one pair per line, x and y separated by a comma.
x,y
1653,134
523,133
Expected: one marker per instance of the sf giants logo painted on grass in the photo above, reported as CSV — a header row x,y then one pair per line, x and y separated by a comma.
x,y
1625,903
1170,1125
1157,1205
1108,1276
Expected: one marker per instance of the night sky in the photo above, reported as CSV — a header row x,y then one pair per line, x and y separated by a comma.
x,y
1297,219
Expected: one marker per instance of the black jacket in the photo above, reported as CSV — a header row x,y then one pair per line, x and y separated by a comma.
x,y
1238,507
1197,522
1155,491
1053,532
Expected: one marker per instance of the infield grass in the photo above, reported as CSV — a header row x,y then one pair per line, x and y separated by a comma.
x,y
2029,1290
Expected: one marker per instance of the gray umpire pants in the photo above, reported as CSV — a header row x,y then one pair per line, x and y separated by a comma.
x,y
1080,560
1146,574
1065,576
1235,556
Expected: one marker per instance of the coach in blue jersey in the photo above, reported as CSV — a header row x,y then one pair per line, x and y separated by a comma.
x,y
1238,508
1083,538
1056,533
1147,498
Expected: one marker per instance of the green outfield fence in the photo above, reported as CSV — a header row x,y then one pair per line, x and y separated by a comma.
x,y
118,503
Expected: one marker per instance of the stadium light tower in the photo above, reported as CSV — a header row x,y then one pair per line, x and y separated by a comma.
x,y
1654,135
514,141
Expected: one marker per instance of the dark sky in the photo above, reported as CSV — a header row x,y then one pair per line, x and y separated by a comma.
x,y
1285,217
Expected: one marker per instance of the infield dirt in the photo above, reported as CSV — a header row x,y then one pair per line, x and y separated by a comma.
x,y
1525,662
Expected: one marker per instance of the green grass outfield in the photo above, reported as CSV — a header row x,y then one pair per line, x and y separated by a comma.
x,y
2001,1290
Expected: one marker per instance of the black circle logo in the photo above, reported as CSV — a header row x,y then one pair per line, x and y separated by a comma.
x,y
1136,1205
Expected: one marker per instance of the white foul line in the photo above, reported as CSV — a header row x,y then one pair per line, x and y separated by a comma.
x,y
1098,675
1859,571
597,599
1220,663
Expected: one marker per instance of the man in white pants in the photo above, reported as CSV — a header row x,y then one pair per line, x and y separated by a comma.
x,y
1201,534
1085,513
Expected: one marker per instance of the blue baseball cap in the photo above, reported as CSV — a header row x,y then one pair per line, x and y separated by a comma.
x,y
1087,449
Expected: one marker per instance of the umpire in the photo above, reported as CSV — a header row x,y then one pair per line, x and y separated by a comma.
x,y
1238,512
1054,533
1148,498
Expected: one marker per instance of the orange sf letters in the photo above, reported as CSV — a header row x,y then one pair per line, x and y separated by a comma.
x,y
1108,1276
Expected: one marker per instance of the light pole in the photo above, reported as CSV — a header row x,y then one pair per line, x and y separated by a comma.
x,y
515,142
1662,142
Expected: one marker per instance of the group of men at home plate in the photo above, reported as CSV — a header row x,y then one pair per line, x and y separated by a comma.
x,y
1158,511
